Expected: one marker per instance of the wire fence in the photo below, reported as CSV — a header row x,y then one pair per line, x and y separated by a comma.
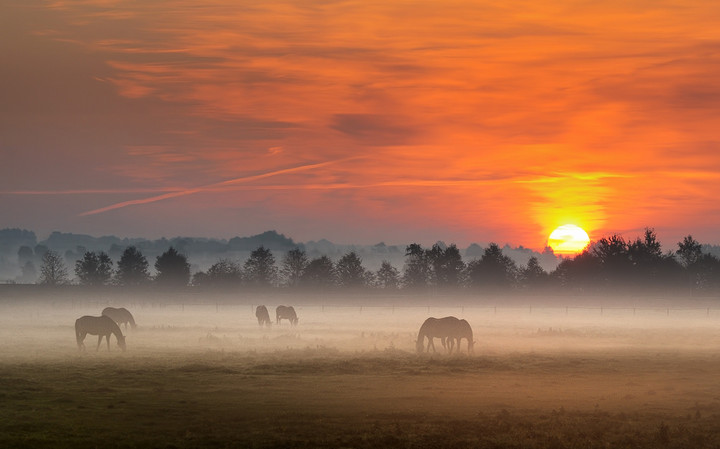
x,y
404,309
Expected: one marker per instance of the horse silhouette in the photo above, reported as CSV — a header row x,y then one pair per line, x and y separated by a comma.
x,y
263,317
102,326
461,330
120,316
448,329
286,313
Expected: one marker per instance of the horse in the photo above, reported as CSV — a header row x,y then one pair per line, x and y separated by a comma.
x,y
263,317
102,326
120,316
462,330
287,313
447,329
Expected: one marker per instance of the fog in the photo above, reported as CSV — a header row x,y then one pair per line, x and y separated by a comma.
x,y
44,328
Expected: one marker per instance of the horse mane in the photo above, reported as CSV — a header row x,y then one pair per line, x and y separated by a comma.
x,y
130,317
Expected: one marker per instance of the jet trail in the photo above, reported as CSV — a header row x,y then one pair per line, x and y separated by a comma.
x,y
210,187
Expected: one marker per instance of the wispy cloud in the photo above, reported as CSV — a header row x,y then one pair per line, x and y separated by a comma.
x,y
211,187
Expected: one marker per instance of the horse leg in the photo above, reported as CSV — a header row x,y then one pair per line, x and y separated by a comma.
x,y
80,339
431,343
99,341
107,338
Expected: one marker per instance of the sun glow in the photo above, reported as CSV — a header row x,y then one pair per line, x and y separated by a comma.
x,y
568,240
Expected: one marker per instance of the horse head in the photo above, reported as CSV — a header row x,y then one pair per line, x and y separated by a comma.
x,y
121,342
419,345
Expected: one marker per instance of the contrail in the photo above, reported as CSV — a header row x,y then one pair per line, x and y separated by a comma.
x,y
211,186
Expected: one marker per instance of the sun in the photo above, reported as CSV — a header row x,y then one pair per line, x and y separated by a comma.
x,y
568,240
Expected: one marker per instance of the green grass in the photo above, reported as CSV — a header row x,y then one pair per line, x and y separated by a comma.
x,y
394,399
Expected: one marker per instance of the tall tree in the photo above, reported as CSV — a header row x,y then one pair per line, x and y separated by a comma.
x,y
260,269
132,268
173,269
53,270
493,270
533,275
320,273
223,273
613,254
689,251
388,277
294,264
349,270
416,272
446,264
94,269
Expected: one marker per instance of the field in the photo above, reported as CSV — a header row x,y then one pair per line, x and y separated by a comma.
x,y
209,376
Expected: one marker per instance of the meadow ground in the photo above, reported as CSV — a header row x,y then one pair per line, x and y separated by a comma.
x,y
209,376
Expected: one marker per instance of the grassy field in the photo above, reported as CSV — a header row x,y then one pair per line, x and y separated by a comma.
x,y
212,378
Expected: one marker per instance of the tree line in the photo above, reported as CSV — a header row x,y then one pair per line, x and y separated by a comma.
x,y
609,264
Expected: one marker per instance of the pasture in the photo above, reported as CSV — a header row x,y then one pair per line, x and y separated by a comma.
x,y
209,376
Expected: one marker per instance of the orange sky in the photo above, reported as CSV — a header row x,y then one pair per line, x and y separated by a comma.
x,y
361,121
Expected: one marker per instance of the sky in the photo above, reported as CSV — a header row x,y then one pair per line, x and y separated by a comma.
x,y
361,121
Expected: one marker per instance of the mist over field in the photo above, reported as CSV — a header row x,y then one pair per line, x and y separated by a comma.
x,y
199,371
43,327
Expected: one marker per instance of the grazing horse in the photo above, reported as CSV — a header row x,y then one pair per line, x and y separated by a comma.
x,y
102,326
448,328
286,312
120,316
462,330
263,317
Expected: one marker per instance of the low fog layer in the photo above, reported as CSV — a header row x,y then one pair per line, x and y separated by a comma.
x,y
44,328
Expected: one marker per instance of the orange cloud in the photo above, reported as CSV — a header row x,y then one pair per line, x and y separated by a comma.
x,y
494,121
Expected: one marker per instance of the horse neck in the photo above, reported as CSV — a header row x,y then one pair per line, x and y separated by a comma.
x,y
115,329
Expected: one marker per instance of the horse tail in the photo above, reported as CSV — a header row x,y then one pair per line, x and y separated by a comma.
x,y
78,337
420,342
132,320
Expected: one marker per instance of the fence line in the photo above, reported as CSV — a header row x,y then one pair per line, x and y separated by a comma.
x,y
393,308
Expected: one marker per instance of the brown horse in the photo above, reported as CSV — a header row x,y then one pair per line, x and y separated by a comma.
x,y
448,328
102,326
287,313
262,315
120,316
462,330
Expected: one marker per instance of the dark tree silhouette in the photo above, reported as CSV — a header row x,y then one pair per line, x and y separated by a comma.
x,y
223,273
533,275
94,269
613,255
320,273
579,273
652,268
132,268
293,267
173,269
349,270
53,270
416,273
689,251
493,270
260,269
447,265
388,277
